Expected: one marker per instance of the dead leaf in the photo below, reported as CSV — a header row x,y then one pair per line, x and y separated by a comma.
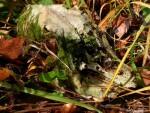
x,y
121,26
105,23
145,73
11,48
68,108
121,45
4,73
137,106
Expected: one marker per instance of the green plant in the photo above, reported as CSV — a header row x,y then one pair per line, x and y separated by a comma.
x,y
30,28
47,95
45,2
52,75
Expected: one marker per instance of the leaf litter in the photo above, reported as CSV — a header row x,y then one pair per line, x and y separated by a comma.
x,y
50,54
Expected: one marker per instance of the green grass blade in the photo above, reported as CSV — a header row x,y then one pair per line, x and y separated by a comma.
x,y
47,95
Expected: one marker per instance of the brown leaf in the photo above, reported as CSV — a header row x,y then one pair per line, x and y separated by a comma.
x,y
121,44
105,23
12,48
121,26
4,73
146,76
68,108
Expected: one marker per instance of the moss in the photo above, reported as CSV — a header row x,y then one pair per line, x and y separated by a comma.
x,y
28,26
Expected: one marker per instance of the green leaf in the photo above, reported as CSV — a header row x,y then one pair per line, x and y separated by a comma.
x,y
146,11
50,76
68,4
47,95
45,2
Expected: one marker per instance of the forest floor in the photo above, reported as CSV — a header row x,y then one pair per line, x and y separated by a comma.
x,y
79,57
